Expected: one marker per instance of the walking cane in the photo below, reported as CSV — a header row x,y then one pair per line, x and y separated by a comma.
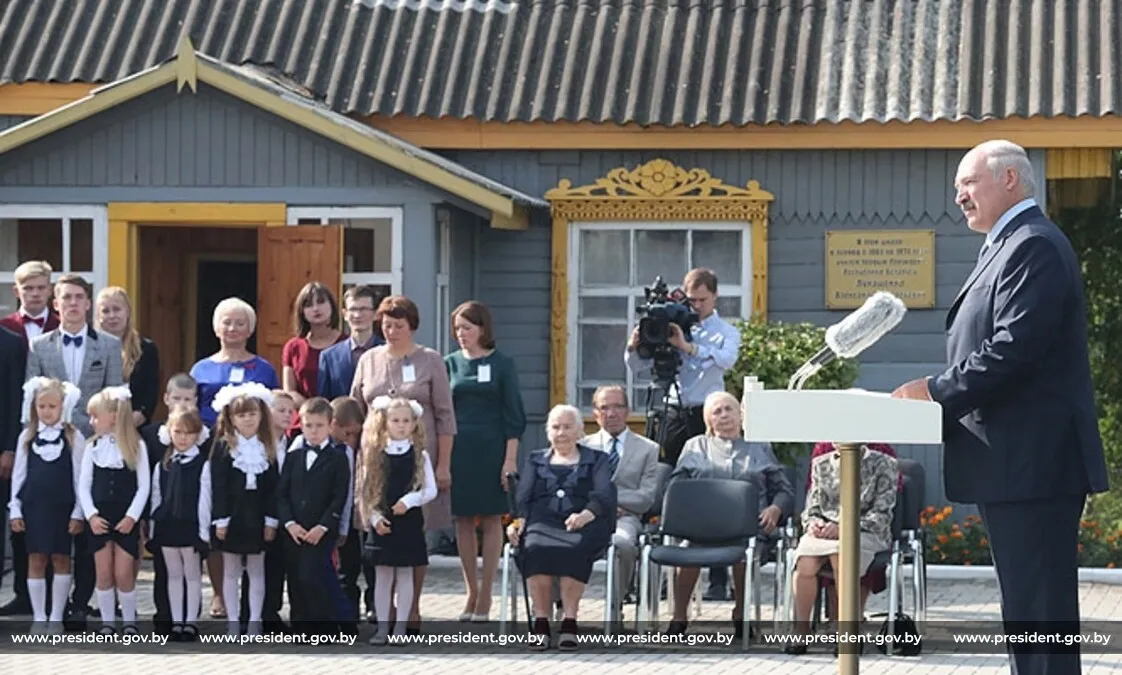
x,y
511,482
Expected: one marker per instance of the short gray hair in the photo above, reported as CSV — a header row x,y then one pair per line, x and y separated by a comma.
x,y
564,409
1001,155
230,305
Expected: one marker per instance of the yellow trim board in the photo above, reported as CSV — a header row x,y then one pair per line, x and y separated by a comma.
x,y
188,69
38,98
656,191
1064,163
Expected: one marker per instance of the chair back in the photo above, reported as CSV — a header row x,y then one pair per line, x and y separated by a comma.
x,y
662,477
711,511
900,510
914,494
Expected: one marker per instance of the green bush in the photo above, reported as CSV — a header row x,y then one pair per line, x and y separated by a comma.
x,y
773,351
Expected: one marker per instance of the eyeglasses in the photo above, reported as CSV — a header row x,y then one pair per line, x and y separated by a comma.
x,y
359,310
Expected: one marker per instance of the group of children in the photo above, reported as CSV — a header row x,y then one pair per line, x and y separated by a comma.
x,y
280,510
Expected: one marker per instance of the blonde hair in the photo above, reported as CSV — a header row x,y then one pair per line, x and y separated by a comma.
x,y
128,440
710,402
32,269
189,418
130,339
370,482
52,386
224,428
235,305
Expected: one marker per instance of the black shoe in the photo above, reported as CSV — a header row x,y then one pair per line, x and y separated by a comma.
x,y
75,621
716,593
176,633
541,628
795,648
190,633
676,628
371,617
567,638
18,606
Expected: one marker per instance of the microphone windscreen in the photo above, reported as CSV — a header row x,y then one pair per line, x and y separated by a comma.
x,y
855,333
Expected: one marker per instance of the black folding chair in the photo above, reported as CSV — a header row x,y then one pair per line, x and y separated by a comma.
x,y
719,518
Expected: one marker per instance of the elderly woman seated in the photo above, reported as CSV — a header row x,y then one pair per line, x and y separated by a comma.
x,y
723,453
568,503
819,544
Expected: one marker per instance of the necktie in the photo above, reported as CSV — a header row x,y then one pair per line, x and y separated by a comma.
x,y
613,456
68,340
40,322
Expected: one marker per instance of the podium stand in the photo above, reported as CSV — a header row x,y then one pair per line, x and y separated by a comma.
x,y
848,418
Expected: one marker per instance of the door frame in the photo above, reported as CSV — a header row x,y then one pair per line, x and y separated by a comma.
x,y
125,219
191,298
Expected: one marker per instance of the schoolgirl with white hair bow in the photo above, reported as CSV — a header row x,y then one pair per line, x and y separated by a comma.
x,y
244,478
113,489
44,502
396,481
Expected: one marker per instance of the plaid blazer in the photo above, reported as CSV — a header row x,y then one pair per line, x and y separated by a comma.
x,y
101,367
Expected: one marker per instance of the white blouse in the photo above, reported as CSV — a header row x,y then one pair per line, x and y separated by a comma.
x,y
106,454
48,453
204,508
249,458
417,498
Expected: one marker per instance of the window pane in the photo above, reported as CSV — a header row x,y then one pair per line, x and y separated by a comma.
x,y
601,353
603,308
719,250
728,306
81,245
366,244
584,398
605,257
660,253
307,221
30,239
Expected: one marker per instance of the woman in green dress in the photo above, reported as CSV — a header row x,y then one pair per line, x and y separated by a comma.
x,y
489,421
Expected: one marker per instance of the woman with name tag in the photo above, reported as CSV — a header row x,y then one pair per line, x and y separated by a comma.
x,y
403,369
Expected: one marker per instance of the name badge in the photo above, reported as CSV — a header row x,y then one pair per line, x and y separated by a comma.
x,y
484,372
408,373
237,374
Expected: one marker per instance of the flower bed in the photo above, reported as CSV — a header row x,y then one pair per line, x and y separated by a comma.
x,y
953,543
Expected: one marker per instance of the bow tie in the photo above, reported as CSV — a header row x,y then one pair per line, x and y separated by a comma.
x,y
68,340
40,321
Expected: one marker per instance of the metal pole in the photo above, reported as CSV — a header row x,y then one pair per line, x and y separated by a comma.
x,y
849,578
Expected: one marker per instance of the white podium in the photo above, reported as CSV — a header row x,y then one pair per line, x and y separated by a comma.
x,y
848,418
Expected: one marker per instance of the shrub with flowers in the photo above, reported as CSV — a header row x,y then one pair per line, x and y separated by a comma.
x,y
965,543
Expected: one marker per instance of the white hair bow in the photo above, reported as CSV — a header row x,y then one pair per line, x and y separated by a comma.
x,y
70,396
232,391
165,435
383,403
121,393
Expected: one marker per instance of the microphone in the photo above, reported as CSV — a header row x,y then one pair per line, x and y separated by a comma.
x,y
880,313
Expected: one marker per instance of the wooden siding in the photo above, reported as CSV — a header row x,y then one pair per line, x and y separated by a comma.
x,y
814,191
9,121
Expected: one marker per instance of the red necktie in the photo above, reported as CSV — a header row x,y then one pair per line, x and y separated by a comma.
x,y
40,322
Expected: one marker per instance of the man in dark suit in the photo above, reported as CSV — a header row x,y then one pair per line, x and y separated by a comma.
x,y
1021,438
311,496
337,362
34,317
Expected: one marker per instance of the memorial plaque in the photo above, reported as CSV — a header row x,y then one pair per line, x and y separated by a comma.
x,y
862,262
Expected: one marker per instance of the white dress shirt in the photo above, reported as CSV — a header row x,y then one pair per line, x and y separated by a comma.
x,y
417,498
48,453
249,458
33,330
72,355
106,454
203,509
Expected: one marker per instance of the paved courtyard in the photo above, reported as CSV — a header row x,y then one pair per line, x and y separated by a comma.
x,y
443,599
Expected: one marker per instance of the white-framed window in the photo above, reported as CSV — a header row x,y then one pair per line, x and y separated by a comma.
x,y
74,239
609,266
372,242
443,281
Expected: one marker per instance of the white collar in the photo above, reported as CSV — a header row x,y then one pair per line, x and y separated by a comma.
x,y
608,438
41,315
187,455
107,454
398,447
53,427
1007,217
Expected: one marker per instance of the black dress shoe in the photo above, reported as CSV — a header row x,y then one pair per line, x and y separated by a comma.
x,y
18,606
75,621
717,593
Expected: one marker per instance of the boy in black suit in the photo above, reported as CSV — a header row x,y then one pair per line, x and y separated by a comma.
x,y
346,429
182,390
312,493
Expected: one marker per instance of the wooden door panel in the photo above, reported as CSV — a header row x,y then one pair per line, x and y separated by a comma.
x,y
287,259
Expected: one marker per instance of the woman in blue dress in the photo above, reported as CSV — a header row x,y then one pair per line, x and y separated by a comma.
x,y
233,363
567,503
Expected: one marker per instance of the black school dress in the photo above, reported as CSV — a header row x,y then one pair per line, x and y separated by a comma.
x,y
47,495
114,490
176,517
405,545
244,493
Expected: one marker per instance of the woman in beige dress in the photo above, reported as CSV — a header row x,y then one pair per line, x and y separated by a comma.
x,y
403,368
821,517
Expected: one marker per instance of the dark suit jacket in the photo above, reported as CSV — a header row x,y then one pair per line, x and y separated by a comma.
x,y
313,497
12,322
1017,397
337,369
144,381
13,362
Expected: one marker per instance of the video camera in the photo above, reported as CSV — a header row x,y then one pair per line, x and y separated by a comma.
x,y
663,309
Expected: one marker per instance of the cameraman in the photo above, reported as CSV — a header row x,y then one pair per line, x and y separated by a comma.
x,y
714,348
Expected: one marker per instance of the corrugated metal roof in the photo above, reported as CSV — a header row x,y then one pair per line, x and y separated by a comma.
x,y
663,62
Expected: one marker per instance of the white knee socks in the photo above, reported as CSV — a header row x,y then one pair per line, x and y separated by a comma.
x,y
231,579
107,604
60,589
37,593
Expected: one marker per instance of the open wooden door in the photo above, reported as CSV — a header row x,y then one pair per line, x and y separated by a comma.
x,y
288,258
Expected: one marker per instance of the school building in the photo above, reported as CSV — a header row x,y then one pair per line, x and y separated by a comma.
x,y
547,158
